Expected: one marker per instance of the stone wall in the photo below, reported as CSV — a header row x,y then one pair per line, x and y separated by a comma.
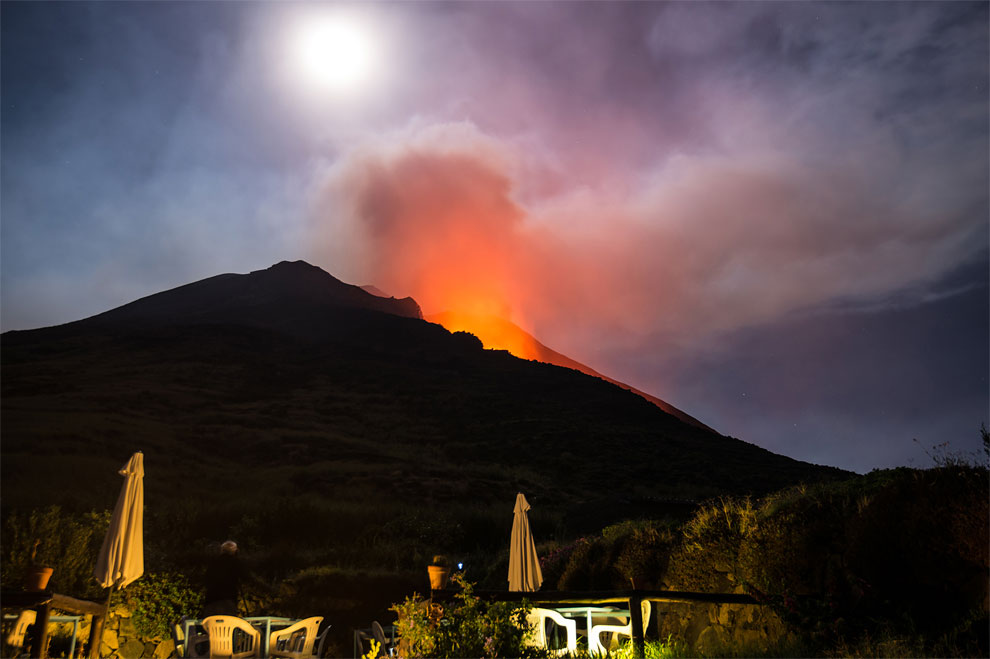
x,y
120,639
713,629
709,628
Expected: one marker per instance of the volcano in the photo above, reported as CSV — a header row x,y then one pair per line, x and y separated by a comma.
x,y
497,332
286,384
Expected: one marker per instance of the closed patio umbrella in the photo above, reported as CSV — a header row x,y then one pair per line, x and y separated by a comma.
x,y
121,558
524,564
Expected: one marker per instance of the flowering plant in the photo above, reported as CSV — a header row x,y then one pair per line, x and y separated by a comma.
x,y
464,627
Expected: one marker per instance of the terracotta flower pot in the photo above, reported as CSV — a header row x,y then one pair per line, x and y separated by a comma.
x,y
37,577
438,576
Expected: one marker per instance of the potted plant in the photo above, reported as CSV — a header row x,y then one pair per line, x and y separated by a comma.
x,y
439,569
37,575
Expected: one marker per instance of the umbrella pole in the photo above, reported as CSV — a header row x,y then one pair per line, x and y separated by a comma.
x,y
96,632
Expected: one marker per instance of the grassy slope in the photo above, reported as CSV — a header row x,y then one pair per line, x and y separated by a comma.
x,y
408,410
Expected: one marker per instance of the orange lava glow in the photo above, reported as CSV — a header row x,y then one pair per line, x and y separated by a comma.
x,y
494,332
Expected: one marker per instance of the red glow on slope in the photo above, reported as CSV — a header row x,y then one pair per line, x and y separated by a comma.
x,y
495,333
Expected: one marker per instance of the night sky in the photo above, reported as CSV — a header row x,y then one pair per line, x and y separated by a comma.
x,y
772,215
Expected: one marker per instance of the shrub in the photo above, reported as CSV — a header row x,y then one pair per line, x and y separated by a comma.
x,y
463,627
643,552
69,544
556,560
158,600
709,551
633,553
589,567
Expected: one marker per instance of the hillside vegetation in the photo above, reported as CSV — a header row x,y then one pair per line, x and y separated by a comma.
x,y
895,563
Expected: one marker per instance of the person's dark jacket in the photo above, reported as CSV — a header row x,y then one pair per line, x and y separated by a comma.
x,y
224,577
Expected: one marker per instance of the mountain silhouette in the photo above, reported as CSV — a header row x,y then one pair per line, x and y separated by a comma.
x,y
292,296
287,387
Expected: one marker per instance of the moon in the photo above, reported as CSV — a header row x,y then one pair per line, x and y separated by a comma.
x,y
335,54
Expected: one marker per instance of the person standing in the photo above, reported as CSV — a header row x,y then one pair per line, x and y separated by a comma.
x,y
224,576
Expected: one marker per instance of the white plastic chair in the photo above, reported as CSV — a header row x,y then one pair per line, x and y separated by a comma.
x,y
537,620
187,648
15,639
595,645
221,630
296,641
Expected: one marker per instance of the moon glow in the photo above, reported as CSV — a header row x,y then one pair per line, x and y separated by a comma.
x,y
334,54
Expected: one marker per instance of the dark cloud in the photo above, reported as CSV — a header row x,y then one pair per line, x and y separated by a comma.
x,y
851,386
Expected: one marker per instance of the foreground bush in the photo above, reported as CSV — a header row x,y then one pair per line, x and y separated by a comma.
x,y
67,542
463,627
157,600
900,554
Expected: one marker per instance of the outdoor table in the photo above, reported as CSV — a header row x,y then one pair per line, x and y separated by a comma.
x,y
189,623
588,612
268,621
75,627
263,623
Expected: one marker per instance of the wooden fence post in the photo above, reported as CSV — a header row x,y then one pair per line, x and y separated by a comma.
x,y
39,636
96,630
636,620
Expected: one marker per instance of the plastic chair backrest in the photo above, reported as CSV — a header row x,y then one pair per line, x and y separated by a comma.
x,y
595,645
179,637
535,622
536,618
299,639
187,648
221,632
15,638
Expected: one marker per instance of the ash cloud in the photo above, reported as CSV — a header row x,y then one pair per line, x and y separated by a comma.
x,y
704,246
762,163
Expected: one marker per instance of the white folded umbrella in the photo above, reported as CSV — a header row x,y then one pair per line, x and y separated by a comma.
x,y
121,558
524,564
